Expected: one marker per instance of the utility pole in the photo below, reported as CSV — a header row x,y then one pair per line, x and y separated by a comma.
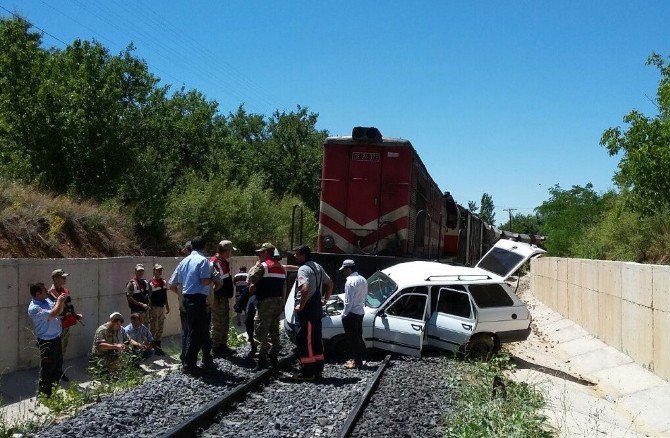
x,y
510,210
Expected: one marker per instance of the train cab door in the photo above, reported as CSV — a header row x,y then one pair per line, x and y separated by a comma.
x,y
364,188
400,327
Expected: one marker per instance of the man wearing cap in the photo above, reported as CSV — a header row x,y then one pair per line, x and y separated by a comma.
x,y
137,293
159,307
221,298
195,274
355,290
110,342
313,289
266,283
45,315
69,317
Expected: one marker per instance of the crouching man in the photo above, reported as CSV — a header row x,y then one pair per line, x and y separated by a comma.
x,y
110,342
139,333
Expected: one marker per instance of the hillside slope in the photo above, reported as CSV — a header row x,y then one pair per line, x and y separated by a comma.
x,y
34,224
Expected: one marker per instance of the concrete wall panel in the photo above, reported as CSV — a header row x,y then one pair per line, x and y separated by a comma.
x,y
636,283
590,316
627,305
562,297
609,322
575,303
661,287
9,283
609,280
637,333
28,353
81,336
83,279
9,327
661,350
590,271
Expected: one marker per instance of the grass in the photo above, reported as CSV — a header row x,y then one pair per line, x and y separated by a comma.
x,y
492,405
58,223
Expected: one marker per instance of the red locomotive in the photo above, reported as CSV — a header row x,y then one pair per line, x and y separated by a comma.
x,y
378,199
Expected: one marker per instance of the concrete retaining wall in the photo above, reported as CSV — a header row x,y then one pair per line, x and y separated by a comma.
x,y
97,287
626,305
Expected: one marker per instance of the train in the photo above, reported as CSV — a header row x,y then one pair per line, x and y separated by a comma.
x,y
379,205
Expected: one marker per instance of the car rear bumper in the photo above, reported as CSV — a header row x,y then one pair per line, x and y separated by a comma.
x,y
513,335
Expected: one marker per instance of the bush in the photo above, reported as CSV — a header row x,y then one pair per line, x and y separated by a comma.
x,y
492,405
247,215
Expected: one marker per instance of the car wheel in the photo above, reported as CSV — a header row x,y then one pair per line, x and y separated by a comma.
x,y
480,347
338,348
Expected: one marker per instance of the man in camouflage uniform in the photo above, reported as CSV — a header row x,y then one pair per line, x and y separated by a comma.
x,y
221,298
266,283
138,294
110,342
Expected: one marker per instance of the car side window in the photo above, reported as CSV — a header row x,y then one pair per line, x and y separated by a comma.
x,y
454,302
435,293
409,306
490,295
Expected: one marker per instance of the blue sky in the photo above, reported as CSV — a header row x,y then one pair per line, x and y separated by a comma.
x,y
505,97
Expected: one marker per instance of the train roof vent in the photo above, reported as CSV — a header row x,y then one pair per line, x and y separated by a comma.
x,y
363,134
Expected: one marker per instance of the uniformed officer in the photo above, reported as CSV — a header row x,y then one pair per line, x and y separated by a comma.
x,y
222,296
266,283
313,290
137,293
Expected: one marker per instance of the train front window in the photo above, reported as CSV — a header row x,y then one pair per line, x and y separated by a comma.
x,y
380,288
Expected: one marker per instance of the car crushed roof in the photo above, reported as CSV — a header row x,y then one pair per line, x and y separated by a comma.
x,y
418,272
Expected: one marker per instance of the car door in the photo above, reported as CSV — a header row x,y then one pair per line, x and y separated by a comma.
x,y
506,257
454,319
400,326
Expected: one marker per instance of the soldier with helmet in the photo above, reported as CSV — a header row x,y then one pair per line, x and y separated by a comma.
x,y
266,283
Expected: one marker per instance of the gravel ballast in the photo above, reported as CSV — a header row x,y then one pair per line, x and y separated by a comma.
x,y
413,399
285,408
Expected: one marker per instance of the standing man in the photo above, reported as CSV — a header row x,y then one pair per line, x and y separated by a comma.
x,y
355,290
241,282
266,283
311,282
137,293
159,307
69,317
222,296
194,273
45,315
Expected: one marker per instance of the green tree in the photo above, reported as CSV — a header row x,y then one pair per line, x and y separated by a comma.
x,y
644,169
472,206
486,211
525,224
567,214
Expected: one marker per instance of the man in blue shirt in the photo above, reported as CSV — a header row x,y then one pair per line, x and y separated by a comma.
x,y
195,273
45,315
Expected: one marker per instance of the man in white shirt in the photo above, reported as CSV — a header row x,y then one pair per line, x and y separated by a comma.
x,y
355,290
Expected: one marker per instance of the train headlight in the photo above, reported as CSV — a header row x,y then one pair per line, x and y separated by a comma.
x,y
328,242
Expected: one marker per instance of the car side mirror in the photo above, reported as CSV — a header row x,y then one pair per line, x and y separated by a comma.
x,y
381,313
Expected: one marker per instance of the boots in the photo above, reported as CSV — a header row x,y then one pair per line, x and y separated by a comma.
x,y
157,348
252,352
261,364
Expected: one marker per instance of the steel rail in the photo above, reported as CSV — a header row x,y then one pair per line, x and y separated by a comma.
x,y
204,417
358,409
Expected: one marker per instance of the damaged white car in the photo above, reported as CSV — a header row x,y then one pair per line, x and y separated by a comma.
x,y
414,305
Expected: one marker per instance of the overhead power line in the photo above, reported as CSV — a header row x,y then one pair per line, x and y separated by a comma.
x,y
33,25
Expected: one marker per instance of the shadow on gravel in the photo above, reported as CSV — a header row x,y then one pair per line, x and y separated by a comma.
x,y
524,364
221,378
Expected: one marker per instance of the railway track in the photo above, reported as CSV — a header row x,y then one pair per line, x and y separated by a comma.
x,y
213,419
407,395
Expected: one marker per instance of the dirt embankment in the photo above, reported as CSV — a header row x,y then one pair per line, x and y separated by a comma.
x,y
38,225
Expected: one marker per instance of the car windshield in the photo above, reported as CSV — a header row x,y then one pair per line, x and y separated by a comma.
x,y
380,288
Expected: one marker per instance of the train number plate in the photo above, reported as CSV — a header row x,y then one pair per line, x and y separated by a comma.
x,y
365,156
